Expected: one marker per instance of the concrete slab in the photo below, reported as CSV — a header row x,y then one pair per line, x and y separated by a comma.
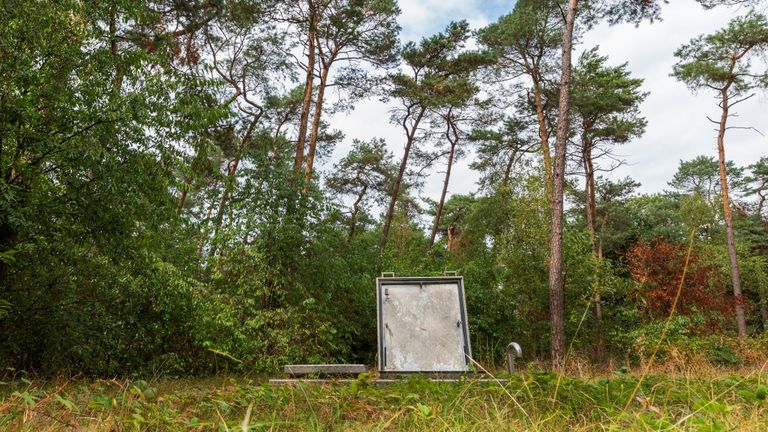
x,y
325,369
379,382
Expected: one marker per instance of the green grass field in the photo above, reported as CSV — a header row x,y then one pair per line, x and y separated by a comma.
x,y
538,401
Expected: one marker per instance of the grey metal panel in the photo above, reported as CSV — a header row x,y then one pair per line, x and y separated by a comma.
x,y
422,325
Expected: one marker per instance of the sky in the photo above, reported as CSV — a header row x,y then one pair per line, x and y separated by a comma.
x,y
677,129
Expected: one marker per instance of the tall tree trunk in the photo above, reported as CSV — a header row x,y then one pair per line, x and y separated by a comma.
x,y
229,183
602,360
454,141
556,281
589,192
206,228
591,210
543,135
730,240
183,194
410,137
117,81
307,102
355,211
276,136
508,169
316,121
603,221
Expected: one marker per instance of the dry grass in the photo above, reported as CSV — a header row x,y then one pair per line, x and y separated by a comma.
x,y
695,398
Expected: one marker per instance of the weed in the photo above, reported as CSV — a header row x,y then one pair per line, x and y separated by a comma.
x,y
536,401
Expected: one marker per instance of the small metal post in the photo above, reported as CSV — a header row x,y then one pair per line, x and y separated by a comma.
x,y
513,351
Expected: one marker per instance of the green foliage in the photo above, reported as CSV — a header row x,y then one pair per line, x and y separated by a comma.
x,y
500,150
152,222
440,69
366,174
525,39
724,59
517,233
366,27
606,101
696,212
93,144
681,346
657,215
701,176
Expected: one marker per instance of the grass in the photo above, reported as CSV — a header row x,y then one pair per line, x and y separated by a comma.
x,y
709,400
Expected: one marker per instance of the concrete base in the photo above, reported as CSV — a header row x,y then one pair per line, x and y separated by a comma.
x,y
381,382
324,369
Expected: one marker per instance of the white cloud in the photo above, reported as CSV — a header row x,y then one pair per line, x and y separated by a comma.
x,y
422,18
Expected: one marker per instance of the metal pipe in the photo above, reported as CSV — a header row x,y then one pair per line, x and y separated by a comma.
x,y
513,351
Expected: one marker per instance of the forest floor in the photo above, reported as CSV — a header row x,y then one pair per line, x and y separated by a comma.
x,y
698,400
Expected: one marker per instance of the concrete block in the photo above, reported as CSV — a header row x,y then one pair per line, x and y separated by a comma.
x,y
325,369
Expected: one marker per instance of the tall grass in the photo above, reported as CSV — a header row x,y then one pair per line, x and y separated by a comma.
x,y
707,399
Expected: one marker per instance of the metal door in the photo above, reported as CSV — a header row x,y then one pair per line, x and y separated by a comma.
x,y
422,325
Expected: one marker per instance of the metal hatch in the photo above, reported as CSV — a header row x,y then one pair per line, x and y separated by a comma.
x,y
422,325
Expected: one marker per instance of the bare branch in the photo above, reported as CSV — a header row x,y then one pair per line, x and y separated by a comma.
x,y
745,128
740,100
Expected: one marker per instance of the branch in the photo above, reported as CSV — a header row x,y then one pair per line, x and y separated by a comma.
x,y
740,100
745,128
713,121
38,160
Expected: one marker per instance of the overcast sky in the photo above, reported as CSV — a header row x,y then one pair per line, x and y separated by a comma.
x,y
677,119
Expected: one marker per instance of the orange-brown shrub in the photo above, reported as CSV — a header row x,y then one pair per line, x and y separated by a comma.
x,y
657,267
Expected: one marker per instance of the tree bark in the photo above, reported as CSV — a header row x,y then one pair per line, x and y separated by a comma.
x,y
316,120
355,211
410,137
307,102
508,169
454,141
544,136
589,191
730,240
556,280
599,336
183,195
591,210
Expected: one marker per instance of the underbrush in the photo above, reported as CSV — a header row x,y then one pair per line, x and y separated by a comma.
x,y
533,401
681,346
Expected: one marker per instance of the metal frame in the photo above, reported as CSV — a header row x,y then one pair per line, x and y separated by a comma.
x,y
382,282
